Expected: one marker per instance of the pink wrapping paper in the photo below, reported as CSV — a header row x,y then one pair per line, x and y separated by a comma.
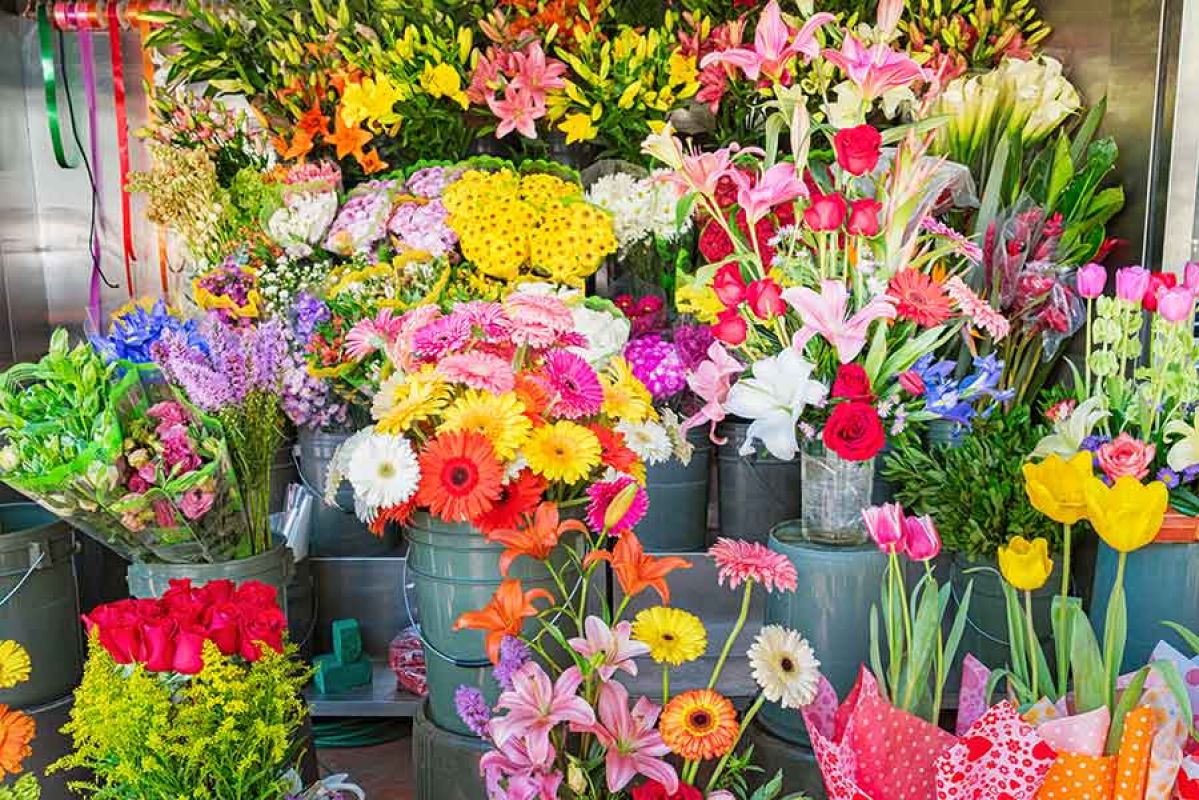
x,y
972,697
1000,756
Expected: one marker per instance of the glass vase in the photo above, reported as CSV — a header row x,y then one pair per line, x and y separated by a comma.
x,y
835,492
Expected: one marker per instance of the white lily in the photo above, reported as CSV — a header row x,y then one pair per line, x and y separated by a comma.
x,y
1067,436
774,399
1185,452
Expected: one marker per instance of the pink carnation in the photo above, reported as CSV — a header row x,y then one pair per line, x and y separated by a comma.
x,y
1125,455
739,561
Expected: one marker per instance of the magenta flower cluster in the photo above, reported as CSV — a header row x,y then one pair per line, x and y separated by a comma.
x,y
657,364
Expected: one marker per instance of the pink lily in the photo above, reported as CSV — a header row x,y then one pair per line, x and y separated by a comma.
x,y
703,171
711,381
369,335
527,778
537,75
876,69
634,746
518,111
774,45
889,12
779,184
615,645
825,314
535,706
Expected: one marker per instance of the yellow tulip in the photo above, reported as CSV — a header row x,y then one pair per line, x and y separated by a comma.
x,y
1026,565
1056,487
1129,514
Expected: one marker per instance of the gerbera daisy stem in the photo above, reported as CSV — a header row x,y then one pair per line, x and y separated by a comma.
x,y
745,721
665,684
733,634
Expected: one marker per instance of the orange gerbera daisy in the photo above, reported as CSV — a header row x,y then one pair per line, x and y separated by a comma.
x,y
615,453
517,498
16,732
536,538
635,570
699,725
530,391
460,477
504,616
919,298
398,514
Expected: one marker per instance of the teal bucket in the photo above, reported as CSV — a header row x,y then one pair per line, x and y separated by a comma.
x,y
831,608
336,530
453,569
757,491
446,763
273,568
677,518
39,602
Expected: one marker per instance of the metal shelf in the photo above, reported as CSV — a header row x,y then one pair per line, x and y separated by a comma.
x,y
383,698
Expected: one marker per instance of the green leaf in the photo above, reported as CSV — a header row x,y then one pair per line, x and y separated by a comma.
x,y
989,206
876,659
878,352
1101,158
1090,684
931,123
1086,131
1015,632
1060,174
770,789
959,624
1188,636
776,123
1169,673
1059,619
1115,635
1128,701
925,628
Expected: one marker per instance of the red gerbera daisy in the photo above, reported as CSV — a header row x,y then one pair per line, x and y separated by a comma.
x,y
614,452
919,298
398,514
460,476
518,497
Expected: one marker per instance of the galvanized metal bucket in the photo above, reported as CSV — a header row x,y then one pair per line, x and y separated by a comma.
x,y
446,763
273,568
677,519
39,602
831,608
757,491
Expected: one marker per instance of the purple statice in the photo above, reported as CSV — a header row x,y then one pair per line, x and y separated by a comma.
x,y
692,343
656,363
472,709
1168,477
430,182
441,337
134,332
362,221
514,654
423,226
308,312
307,400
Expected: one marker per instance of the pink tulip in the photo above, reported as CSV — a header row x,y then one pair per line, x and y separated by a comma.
x,y
885,525
614,647
1190,275
711,382
1092,279
632,744
1176,305
779,184
1132,283
825,314
774,45
535,706
920,538
912,383
876,69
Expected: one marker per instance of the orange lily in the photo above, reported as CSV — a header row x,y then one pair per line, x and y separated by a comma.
x,y
504,615
537,538
635,570
300,146
347,139
370,162
314,121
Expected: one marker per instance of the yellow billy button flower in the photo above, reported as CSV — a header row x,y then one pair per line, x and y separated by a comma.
x,y
1026,565
1129,514
1057,487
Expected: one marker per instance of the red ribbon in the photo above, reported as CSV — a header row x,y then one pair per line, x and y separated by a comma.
x,y
119,101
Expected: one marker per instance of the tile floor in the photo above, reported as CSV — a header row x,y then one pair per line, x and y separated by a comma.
x,y
384,771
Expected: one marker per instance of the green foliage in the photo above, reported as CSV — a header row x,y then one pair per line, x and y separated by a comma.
x,y
25,788
975,491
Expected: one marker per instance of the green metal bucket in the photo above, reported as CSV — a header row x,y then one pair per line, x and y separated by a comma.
x,y
757,491
831,608
677,519
446,763
273,568
39,602
453,569
336,529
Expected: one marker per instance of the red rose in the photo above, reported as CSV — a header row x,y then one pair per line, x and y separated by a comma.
x,y
858,149
765,299
159,638
221,624
189,650
219,591
652,790
257,594
852,383
854,431
863,217
730,327
729,285
826,212
1158,283
265,628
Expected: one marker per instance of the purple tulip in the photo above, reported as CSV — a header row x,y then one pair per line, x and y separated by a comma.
x,y
1092,279
1132,283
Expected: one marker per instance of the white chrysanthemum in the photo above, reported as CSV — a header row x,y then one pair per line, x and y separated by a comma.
x,y
784,666
383,470
649,440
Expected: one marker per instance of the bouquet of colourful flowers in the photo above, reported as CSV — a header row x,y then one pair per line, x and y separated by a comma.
x,y
196,688
108,447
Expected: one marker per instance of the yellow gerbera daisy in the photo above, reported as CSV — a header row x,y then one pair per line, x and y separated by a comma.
x,y
14,664
673,636
500,418
625,397
405,399
564,451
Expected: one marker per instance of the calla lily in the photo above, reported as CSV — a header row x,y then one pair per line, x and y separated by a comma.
x,y
825,314
1057,487
1184,452
1128,514
775,398
1068,434
774,46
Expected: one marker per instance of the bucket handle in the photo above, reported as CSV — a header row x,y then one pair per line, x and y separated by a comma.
x,y
295,460
41,555
953,592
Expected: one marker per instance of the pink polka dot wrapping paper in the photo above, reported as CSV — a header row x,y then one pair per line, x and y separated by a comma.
x,y
1000,757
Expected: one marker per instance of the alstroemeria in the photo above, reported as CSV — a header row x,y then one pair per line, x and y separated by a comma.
x,y
774,45
632,744
774,399
535,706
711,382
876,69
758,195
825,314
614,646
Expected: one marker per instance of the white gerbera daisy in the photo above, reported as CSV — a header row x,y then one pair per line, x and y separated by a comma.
x,y
649,440
784,666
383,470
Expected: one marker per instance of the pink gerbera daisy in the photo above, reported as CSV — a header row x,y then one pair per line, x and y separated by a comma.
x,y
963,245
441,337
487,319
574,388
740,561
603,493
537,320
478,371
977,309
369,335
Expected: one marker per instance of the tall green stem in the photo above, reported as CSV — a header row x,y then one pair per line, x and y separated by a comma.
x,y
728,643
748,718
939,687
1032,643
1062,646
1109,644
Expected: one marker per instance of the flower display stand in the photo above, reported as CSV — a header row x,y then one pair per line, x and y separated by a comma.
x,y
446,763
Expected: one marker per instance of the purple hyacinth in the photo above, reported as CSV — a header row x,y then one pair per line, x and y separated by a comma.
x,y
472,709
514,654
656,363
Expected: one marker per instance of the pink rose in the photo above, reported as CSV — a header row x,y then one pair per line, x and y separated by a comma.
x,y
1125,455
195,503
189,650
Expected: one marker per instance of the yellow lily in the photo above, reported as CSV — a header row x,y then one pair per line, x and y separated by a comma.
x,y
1056,487
1026,565
1129,514
578,128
